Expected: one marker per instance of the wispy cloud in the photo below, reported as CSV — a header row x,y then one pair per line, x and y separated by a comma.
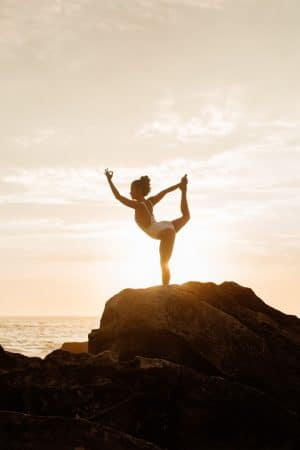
x,y
210,123
36,16
275,124
211,120
59,227
52,185
57,240
37,138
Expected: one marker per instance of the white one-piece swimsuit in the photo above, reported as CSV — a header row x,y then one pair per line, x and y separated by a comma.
x,y
155,228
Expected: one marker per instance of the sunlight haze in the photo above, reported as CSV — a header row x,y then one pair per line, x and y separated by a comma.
x,y
159,88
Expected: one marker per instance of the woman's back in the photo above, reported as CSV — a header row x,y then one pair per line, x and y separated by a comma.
x,y
144,214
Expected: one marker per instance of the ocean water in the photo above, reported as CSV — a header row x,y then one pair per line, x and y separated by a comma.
x,y
38,336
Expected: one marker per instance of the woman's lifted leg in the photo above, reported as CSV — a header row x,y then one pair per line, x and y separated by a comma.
x,y
181,221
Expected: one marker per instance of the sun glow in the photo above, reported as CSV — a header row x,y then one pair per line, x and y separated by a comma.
x,y
194,258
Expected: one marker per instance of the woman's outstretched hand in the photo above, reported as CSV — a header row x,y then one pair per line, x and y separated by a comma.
x,y
109,174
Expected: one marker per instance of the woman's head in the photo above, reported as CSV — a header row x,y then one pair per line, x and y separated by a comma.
x,y
140,188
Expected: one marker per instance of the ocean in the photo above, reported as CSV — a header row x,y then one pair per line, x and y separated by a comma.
x,y
38,336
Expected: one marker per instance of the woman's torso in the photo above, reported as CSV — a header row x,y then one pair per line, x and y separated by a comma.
x,y
144,214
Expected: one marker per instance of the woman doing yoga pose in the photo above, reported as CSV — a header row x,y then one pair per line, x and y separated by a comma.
x,y
164,230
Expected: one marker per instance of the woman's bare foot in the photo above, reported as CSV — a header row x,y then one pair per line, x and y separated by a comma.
x,y
183,183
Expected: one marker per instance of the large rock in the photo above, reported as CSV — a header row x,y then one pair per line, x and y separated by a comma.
x,y
189,367
218,329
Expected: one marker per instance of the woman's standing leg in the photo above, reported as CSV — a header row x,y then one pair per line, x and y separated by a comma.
x,y
165,250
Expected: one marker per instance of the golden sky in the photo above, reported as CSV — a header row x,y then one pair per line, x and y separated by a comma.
x,y
147,87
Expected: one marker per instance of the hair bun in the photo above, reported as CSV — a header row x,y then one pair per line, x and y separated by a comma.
x,y
145,183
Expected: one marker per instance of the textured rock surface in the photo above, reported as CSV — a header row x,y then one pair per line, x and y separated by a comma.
x,y
157,401
219,329
194,366
27,432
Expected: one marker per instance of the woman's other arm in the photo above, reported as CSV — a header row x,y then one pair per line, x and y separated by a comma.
x,y
156,198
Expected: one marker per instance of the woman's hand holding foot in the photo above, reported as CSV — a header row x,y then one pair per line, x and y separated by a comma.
x,y
183,183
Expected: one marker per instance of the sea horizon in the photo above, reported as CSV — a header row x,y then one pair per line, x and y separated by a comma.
x,y
40,335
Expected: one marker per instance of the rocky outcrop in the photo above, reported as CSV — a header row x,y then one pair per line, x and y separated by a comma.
x,y
188,367
217,329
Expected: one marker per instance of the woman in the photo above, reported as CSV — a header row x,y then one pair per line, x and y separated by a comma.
x,y
164,230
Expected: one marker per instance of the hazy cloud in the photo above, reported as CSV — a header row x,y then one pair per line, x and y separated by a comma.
x,y
210,121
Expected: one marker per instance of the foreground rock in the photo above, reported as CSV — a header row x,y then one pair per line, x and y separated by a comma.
x,y
190,367
154,400
28,432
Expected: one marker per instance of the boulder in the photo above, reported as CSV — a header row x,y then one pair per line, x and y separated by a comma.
x,y
221,329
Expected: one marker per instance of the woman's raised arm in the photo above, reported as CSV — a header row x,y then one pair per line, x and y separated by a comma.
x,y
118,196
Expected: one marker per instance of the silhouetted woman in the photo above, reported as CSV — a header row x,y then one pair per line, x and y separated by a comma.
x,y
164,230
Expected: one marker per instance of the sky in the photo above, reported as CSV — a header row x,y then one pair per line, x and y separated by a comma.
x,y
147,87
